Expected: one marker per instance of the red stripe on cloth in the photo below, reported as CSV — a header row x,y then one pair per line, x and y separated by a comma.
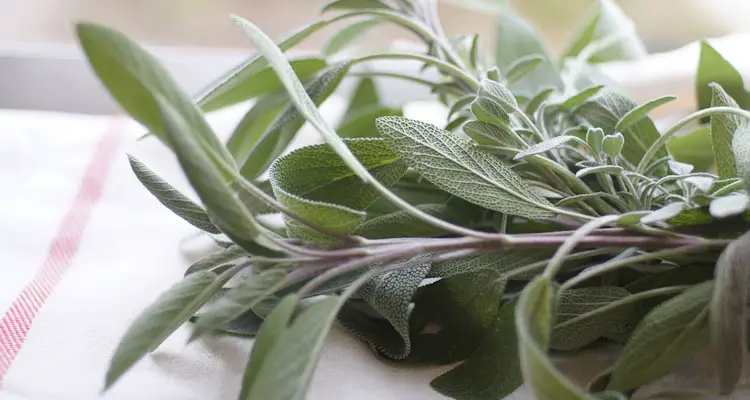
x,y
17,321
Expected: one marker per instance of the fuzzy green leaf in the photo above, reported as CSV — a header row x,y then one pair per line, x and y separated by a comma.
x,y
612,144
318,185
500,94
602,169
493,371
727,206
522,67
580,97
403,224
723,128
454,165
238,300
488,134
217,259
691,148
534,316
533,105
172,309
545,146
488,110
171,198
578,323
364,98
637,114
606,21
713,68
670,210
741,150
504,262
728,312
347,35
353,5
254,124
284,129
664,339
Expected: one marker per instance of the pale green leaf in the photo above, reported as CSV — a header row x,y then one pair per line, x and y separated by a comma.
x,y
728,312
161,319
691,148
546,146
607,22
669,211
217,259
723,128
580,97
403,224
347,35
664,339
460,105
454,165
254,124
362,124
284,129
602,169
238,300
171,198
364,98
727,206
534,316
612,144
500,94
713,68
488,134
490,111
741,150
637,114
533,105
353,5
522,67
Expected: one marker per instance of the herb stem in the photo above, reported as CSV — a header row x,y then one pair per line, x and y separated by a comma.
x,y
436,62
410,78
572,241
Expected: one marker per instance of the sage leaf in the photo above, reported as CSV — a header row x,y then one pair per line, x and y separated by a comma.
x,y
728,313
664,339
217,259
362,124
254,124
138,82
504,262
713,68
727,206
522,67
280,134
533,105
246,325
171,198
172,309
500,94
460,105
454,165
579,98
601,169
353,5
669,211
534,314
546,146
516,39
261,83
488,134
490,111
348,35
578,322
403,224
239,300
690,148
741,150
365,97
607,22
723,128
493,371
637,114
318,185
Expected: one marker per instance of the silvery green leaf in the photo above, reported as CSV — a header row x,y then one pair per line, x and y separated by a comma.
x,y
516,39
741,150
664,339
217,259
494,74
253,124
606,108
664,213
578,321
680,168
612,144
332,197
522,67
713,68
533,105
602,169
347,35
483,6
488,134
701,183
238,300
594,138
572,200
403,224
728,312
504,262
727,206
354,5
276,139
460,104
489,111
493,371
154,324
607,22
500,94
138,82
723,128
262,82
454,165
580,97
635,115
171,198
534,316
545,146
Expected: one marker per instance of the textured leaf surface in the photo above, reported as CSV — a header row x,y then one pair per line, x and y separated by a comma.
x,y
664,339
403,224
545,146
523,66
723,127
488,134
503,262
171,198
454,165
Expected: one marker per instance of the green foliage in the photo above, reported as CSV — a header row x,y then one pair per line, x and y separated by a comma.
x,y
453,242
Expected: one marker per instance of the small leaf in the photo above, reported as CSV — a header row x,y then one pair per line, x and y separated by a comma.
x,y
238,301
523,66
637,114
347,35
723,128
254,124
403,224
217,259
664,339
594,138
364,98
728,206
353,5
728,312
712,67
545,146
533,105
171,198
489,111
499,93
488,134
161,319
671,210
504,262
602,169
460,104
454,165
579,198
493,371
284,129
534,315
612,144
580,97
607,21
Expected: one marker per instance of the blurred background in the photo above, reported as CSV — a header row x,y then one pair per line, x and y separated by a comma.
x,y
664,24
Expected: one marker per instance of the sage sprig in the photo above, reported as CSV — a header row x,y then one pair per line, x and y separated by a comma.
x,y
548,211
